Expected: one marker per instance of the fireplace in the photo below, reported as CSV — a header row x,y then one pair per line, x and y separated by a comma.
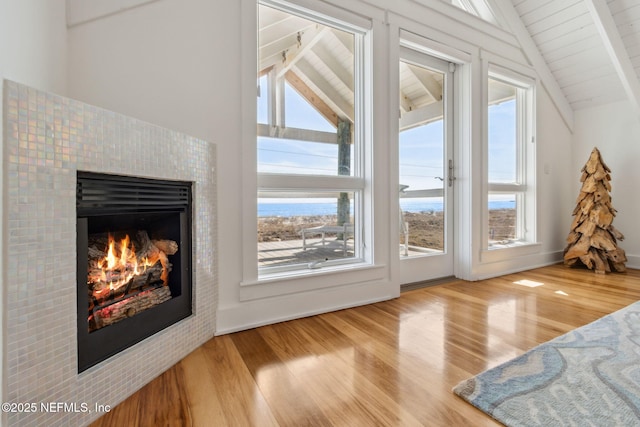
x,y
133,261
47,139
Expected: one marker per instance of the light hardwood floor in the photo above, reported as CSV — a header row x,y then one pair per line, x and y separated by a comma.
x,y
387,364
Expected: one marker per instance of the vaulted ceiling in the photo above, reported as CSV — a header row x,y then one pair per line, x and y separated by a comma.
x,y
590,48
567,37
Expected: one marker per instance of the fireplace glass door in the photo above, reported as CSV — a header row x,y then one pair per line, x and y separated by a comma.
x,y
134,261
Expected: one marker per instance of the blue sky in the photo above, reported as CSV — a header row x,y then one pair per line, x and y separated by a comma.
x,y
420,156
291,156
502,149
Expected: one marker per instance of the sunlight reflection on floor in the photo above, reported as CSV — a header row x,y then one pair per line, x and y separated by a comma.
x,y
528,283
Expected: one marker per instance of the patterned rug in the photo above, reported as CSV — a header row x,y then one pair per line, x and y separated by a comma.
x,y
587,377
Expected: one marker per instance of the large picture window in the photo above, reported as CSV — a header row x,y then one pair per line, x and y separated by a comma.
x,y
309,147
510,161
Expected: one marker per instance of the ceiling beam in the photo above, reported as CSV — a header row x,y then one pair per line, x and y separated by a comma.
x,y
296,134
422,116
509,18
283,50
321,86
614,45
312,98
405,103
308,40
433,112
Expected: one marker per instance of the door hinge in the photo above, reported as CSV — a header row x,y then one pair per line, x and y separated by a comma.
x,y
450,175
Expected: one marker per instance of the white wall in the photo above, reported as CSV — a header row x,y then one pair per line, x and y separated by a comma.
x,y
555,152
33,43
179,64
33,50
171,63
615,130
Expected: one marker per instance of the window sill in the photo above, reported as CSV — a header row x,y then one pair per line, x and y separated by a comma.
x,y
278,284
500,252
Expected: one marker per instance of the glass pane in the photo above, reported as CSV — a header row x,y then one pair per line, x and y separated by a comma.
x,y
422,159
300,114
502,133
304,228
297,157
263,99
502,218
423,218
312,67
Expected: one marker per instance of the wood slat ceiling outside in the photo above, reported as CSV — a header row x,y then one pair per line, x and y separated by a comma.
x,y
324,61
318,55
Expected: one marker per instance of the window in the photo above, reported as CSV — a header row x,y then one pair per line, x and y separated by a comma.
x,y
510,161
479,8
311,186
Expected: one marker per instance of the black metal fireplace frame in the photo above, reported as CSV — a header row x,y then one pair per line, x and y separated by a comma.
x,y
103,198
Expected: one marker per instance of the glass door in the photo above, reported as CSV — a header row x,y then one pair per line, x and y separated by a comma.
x,y
426,167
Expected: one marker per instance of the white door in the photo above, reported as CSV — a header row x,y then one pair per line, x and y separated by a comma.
x,y
426,167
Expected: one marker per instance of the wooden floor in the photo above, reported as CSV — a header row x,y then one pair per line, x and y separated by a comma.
x,y
386,364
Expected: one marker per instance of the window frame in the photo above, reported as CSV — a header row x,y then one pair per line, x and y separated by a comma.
x,y
524,187
358,182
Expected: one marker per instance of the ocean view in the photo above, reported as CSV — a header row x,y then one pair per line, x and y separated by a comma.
x,y
312,209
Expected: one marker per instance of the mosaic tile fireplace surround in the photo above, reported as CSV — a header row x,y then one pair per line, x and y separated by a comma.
x,y
47,140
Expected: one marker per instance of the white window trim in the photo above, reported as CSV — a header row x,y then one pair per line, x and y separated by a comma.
x,y
525,188
433,48
301,281
358,183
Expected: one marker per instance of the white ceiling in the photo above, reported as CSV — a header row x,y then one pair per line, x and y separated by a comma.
x,y
573,42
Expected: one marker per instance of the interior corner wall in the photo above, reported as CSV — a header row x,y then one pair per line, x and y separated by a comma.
x,y
615,130
555,197
174,63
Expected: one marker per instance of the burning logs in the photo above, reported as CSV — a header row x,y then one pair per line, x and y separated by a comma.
x,y
169,247
128,307
130,273
592,241
123,282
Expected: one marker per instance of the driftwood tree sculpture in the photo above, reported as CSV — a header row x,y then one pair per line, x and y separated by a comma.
x,y
592,241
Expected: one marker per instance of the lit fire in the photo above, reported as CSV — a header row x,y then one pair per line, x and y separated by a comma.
x,y
120,265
